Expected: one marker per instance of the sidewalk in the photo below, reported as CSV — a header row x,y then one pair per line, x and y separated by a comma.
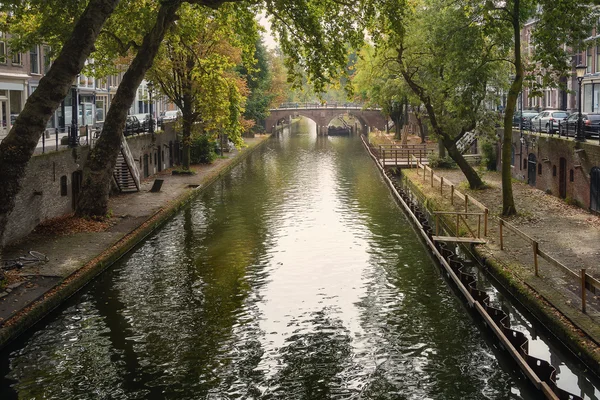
x,y
78,250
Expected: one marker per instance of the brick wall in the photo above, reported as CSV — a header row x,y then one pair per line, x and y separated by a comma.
x,y
44,194
578,161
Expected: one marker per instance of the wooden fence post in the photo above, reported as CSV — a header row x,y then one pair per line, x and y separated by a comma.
x,y
452,194
431,178
535,258
501,237
466,203
485,221
442,186
583,310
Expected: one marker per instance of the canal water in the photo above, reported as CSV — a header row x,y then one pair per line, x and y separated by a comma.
x,y
296,276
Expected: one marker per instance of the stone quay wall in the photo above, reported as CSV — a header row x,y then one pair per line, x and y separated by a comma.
x,y
51,183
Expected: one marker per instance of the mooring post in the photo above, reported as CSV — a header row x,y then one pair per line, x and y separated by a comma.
x,y
535,257
431,178
583,290
452,194
501,237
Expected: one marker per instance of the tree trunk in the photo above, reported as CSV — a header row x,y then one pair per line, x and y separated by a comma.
x,y
475,181
508,202
101,161
405,120
421,127
18,147
472,176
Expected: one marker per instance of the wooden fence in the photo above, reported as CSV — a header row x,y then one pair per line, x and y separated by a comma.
x,y
586,281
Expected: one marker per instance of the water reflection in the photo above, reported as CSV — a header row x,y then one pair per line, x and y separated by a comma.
x,y
295,276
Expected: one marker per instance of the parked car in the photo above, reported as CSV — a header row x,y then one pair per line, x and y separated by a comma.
x,y
228,146
146,121
525,118
132,125
168,116
590,124
548,120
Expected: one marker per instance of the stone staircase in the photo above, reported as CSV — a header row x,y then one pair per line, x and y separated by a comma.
x,y
126,174
466,141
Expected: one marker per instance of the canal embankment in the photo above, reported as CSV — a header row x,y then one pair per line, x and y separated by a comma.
x,y
536,257
77,257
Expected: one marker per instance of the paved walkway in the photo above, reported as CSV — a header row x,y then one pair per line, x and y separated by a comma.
x,y
84,241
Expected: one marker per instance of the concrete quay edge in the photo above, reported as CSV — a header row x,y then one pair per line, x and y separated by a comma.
x,y
39,308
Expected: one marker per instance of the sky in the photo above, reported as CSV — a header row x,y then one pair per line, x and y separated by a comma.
x,y
269,40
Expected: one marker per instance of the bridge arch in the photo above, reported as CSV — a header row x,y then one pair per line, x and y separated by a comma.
x,y
322,116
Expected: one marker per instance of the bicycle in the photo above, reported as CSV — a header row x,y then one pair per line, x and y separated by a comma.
x,y
33,258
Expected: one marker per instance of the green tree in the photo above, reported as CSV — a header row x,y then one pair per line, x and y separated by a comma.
x,y
196,69
258,80
310,31
308,37
554,36
101,160
446,60
18,146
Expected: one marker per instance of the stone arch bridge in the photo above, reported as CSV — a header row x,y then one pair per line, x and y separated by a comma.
x,y
322,115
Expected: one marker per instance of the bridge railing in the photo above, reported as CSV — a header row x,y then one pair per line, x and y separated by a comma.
x,y
310,105
402,154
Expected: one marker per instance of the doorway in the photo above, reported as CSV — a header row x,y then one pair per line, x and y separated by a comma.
x,y
531,169
76,180
562,178
160,159
595,189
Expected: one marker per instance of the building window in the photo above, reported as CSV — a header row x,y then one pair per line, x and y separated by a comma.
x,y
2,48
34,60
47,61
588,54
587,98
539,168
100,109
16,59
63,185
554,170
571,176
597,58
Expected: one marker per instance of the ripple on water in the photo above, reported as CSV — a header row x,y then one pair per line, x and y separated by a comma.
x,y
295,277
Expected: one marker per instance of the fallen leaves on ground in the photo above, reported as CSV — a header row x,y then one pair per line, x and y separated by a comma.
x,y
70,224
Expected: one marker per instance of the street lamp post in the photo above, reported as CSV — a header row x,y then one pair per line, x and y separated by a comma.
x,y
581,69
150,87
74,114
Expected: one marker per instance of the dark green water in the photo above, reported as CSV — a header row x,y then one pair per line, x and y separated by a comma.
x,y
294,277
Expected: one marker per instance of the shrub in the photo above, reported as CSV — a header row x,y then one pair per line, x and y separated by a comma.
x,y
435,161
202,150
490,157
